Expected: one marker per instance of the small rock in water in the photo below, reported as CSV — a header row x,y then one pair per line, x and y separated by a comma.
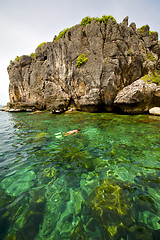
x,y
155,111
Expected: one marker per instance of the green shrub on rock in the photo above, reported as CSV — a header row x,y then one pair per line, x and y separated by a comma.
x,y
154,78
151,32
86,21
40,45
82,59
61,34
104,19
17,58
32,55
141,29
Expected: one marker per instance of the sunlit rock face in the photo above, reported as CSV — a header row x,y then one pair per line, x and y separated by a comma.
x,y
117,55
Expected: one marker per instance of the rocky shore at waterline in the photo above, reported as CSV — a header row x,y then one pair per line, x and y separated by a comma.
x,y
94,66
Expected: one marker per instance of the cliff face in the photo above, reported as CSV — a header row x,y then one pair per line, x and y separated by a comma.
x,y
117,55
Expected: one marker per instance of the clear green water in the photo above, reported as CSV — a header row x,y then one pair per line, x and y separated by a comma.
x,y
103,183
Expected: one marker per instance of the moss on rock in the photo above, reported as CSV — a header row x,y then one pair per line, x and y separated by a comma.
x,y
152,78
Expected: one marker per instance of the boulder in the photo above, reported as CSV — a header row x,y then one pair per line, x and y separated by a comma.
x,y
135,98
155,111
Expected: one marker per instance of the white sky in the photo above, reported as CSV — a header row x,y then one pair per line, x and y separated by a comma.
x,y
24,24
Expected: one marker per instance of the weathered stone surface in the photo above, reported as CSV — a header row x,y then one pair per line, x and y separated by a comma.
x,y
25,60
136,97
156,97
155,111
117,56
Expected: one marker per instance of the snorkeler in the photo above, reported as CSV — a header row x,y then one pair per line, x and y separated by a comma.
x,y
71,132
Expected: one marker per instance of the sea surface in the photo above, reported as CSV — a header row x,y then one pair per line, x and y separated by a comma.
x,y
100,184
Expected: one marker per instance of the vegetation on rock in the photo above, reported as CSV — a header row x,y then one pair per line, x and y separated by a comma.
x,y
154,78
141,30
104,19
61,34
150,57
40,45
82,59
107,59
17,58
151,32
86,21
32,55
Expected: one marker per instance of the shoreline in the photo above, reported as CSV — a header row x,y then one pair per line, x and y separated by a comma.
x,y
152,111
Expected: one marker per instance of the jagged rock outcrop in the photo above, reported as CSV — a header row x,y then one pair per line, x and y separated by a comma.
x,y
117,55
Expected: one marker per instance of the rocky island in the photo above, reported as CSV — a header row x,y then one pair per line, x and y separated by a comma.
x,y
98,65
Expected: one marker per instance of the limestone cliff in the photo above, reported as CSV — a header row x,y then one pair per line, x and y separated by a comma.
x,y
117,55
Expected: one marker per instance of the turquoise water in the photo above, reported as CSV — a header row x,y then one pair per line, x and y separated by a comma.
x,y
103,183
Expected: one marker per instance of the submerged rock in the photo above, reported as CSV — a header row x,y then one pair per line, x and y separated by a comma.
x,y
27,218
110,213
40,136
111,207
18,183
